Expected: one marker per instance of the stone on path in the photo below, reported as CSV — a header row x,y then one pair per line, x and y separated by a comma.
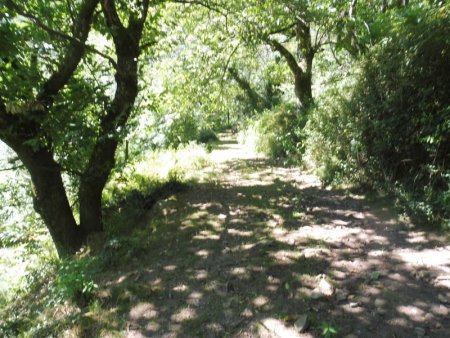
x,y
324,289
302,323
420,332
277,329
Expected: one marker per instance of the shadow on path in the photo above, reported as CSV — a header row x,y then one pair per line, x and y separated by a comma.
x,y
232,254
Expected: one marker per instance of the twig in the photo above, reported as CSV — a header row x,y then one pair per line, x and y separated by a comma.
x,y
13,168
200,3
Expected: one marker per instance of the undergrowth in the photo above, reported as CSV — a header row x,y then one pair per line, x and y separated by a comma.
x,y
64,297
278,133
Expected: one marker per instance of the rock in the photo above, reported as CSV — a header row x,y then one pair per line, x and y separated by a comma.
x,y
354,304
420,332
226,250
429,317
247,313
433,275
323,290
302,323
275,328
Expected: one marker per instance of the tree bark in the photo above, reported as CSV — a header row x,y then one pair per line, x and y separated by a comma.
x,y
19,130
305,47
50,199
102,159
302,77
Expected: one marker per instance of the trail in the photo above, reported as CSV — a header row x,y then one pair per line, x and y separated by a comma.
x,y
260,245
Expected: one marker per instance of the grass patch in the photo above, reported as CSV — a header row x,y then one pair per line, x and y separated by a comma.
x,y
67,297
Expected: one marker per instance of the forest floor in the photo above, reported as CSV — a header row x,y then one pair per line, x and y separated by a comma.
x,y
260,249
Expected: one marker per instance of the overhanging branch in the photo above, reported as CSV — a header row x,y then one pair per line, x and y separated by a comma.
x,y
202,4
290,59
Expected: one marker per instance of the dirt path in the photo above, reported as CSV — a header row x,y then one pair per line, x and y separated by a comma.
x,y
262,246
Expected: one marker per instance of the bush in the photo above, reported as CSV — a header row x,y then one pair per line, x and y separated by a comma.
x,y
207,136
277,133
394,128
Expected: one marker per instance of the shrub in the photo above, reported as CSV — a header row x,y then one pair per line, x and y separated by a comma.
x,y
277,133
207,136
394,128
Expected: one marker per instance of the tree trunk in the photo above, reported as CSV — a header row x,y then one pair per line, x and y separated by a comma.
x,y
50,199
102,160
303,90
304,82
302,70
18,130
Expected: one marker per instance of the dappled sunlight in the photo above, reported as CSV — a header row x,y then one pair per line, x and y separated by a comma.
x,y
143,311
170,267
285,256
203,253
207,236
429,258
184,315
327,232
180,288
412,312
265,243
240,233
260,301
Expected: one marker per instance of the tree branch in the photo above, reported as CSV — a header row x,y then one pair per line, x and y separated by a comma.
x,y
200,3
229,60
282,30
352,10
13,168
290,59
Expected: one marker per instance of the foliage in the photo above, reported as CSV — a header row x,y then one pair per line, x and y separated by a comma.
x,y
74,281
394,126
207,136
52,286
328,330
278,133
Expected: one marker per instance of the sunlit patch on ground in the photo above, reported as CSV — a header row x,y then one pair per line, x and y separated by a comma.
x,y
245,251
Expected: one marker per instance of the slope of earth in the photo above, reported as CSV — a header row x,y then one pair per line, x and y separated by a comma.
x,y
260,249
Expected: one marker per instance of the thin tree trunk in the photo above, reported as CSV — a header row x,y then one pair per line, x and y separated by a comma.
x,y
304,83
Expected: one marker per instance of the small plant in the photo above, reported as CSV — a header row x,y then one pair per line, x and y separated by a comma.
x,y
74,281
328,330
